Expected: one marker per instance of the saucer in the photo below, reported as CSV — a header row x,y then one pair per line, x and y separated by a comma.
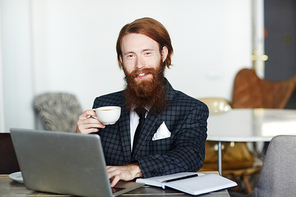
x,y
17,176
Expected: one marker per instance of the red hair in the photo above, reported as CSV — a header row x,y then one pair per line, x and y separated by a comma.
x,y
151,28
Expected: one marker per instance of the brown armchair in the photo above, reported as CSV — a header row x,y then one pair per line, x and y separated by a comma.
x,y
249,91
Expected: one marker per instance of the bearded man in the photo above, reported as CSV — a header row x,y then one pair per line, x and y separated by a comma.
x,y
174,125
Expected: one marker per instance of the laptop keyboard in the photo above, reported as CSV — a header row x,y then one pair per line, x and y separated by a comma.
x,y
116,189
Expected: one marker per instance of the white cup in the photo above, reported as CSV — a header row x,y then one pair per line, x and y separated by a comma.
x,y
108,115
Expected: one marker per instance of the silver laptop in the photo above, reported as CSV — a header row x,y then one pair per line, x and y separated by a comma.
x,y
64,163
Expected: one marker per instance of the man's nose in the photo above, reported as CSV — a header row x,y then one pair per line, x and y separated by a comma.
x,y
140,63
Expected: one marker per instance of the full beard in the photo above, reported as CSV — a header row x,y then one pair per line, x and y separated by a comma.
x,y
149,93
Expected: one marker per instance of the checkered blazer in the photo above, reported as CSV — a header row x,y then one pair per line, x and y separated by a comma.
x,y
186,119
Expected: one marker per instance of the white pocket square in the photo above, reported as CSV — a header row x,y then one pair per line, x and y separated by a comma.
x,y
161,133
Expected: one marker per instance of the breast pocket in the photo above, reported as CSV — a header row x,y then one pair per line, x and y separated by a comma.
x,y
161,146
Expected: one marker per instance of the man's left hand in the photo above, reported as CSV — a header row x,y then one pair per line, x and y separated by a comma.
x,y
127,172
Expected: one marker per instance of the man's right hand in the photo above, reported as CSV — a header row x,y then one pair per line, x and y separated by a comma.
x,y
86,124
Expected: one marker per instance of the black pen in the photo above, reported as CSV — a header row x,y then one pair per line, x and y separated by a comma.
x,y
176,179
180,178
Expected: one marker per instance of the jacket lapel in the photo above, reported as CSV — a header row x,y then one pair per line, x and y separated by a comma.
x,y
147,131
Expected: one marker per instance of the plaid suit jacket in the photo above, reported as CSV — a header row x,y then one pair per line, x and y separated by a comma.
x,y
186,119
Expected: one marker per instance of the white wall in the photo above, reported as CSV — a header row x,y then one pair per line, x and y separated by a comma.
x,y
17,64
73,44
2,122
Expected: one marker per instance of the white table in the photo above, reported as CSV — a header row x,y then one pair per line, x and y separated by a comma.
x,y
249,125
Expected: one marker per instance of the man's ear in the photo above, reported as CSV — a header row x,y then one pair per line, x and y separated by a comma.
x,y
120,62
120,58
164,53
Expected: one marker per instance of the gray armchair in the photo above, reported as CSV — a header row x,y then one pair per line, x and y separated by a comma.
x,y
58,111
277,177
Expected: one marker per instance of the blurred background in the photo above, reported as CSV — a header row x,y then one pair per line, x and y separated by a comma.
x,y
69,46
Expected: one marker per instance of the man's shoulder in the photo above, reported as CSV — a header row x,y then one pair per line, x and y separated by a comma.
x,y
115,98
179,98
183,99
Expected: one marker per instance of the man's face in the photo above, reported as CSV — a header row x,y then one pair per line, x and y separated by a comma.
x,y
139,54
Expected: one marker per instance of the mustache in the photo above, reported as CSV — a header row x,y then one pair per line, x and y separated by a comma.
x,y
135,73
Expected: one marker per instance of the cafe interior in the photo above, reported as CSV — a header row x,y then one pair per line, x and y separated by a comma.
x,y
238,57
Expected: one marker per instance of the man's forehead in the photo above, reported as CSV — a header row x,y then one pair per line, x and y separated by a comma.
x,y
135,40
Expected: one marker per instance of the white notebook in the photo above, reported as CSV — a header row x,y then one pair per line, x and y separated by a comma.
x,y
188,182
